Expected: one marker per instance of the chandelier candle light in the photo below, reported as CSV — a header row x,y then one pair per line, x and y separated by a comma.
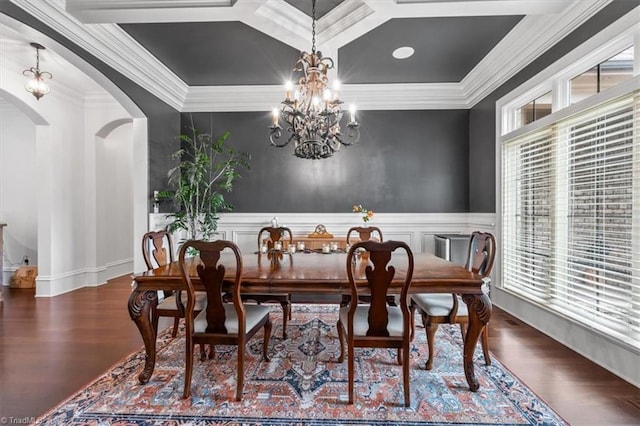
x,y
312,115
36,86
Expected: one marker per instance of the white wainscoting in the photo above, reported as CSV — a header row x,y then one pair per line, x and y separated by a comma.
x,y
416,229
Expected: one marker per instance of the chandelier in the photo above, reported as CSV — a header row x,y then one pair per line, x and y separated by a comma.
x,y
36,85
312,115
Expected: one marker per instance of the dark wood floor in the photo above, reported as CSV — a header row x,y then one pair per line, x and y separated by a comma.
x,y
51,347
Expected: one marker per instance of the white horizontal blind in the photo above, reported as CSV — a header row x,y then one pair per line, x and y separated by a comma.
x,y
528,190
571,217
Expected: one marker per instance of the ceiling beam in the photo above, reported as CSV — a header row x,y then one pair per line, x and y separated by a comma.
x,y
440,8
138,11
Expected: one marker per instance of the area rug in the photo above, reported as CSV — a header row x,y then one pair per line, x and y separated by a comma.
x,y
304,384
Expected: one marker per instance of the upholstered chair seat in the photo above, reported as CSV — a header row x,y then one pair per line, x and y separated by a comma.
x,y
254,314
439,304
395,327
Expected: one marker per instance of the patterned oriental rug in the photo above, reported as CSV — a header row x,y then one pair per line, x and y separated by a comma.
x,y
303,384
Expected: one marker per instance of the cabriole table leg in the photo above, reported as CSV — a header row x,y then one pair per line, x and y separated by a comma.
x,y
479,307
140,305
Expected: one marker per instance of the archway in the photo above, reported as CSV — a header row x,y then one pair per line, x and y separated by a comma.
x,y
113,172
63,262
18,200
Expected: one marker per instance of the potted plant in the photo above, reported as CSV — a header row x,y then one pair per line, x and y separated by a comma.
x,y
206,169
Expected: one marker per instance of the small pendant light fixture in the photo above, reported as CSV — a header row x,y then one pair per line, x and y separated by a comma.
x,y
36,85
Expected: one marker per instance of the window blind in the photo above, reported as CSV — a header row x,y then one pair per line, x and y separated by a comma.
x,y
571,217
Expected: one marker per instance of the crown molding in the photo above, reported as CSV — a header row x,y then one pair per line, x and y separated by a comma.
x,y
345,25
232,98
414,96
410,96
281,21
108,42
344,17
119,50
111,11
113,46
537,33
143,4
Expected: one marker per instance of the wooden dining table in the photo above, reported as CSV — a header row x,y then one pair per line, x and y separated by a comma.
x,y
316,273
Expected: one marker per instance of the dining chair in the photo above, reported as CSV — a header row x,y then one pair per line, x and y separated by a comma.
x,y
220,323
157,250
446,308
377,324
274,234
364,233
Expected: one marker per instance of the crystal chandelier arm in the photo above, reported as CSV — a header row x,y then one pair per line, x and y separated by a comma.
x,y
275,133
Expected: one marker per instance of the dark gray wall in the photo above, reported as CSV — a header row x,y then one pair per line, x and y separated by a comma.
x,y
163,120
482,118
406,161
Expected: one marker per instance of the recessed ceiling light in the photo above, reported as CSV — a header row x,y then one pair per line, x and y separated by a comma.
x,y
403,52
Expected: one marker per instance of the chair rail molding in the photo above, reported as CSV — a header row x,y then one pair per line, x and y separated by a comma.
x,y
415,229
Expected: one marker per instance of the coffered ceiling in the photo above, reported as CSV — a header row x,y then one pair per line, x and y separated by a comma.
x,y
235,55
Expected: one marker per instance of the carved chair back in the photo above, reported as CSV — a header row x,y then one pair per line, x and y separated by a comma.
x,y
211,272
481,253
379,277
220,323
157,249
480,257
386,326
364,233
275,234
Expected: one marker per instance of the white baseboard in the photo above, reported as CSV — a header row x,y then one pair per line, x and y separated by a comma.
x,y
48,286
620,360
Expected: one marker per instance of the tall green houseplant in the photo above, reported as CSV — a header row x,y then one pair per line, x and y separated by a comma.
x,y
206,169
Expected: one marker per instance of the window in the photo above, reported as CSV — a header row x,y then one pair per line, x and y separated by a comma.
x,y
534,110
607,74
571,216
